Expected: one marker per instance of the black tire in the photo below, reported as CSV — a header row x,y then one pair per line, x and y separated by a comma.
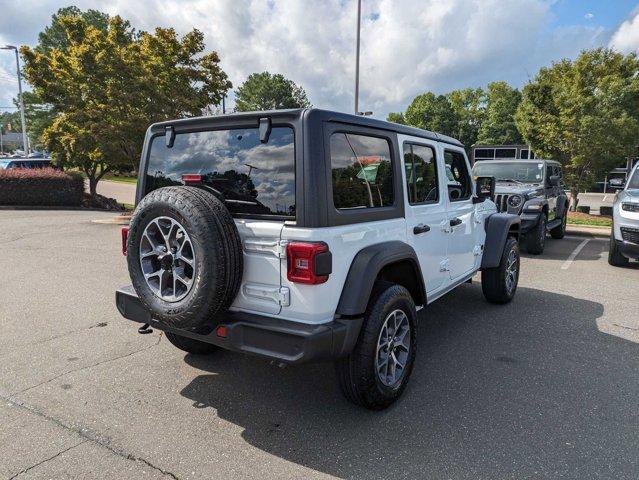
x,y
494,281
191,345
560,231
615,258
216,246
535,240
357,373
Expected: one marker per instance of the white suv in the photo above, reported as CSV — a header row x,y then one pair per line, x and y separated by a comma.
x,y
624,236
304,235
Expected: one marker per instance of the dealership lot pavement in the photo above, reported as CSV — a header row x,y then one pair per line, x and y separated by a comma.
x,y
544,387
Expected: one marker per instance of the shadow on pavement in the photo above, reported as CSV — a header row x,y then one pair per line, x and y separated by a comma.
x,y
561,249
531,389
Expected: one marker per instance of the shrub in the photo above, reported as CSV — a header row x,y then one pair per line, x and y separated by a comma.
x,y
607,211
40,187
583,209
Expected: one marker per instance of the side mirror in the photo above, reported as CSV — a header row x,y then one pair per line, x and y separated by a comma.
x,y
484,189
554,180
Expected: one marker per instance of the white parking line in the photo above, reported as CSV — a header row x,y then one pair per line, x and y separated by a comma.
x,y
574,253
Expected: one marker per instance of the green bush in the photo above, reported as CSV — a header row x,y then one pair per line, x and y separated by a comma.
x,y
40,187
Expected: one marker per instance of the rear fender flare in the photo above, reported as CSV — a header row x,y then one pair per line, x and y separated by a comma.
x,y
364,270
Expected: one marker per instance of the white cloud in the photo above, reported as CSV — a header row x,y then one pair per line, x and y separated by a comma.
x,y
408,46
589,16
626,38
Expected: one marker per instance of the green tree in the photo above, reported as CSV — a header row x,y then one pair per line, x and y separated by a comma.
x,y
108,85
584,113
498,126
40,115
55,35
267,91
469,108
396,117
432,112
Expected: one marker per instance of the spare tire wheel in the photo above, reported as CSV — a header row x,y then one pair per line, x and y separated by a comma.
x,y
185,257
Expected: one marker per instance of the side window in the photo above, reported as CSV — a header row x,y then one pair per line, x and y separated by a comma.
x,y
459,183
361,171
421,174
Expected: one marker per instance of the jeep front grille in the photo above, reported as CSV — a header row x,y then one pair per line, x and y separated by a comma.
x,y
630,234
501,201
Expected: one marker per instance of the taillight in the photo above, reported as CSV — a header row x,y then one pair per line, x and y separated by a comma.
x,y
125,237
192,179
308,262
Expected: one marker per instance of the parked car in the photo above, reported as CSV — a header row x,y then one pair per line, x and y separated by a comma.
x,y
624,235
305,235
534,190
24,163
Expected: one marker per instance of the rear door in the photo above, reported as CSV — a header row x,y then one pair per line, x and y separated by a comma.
x,y
256,182
426,215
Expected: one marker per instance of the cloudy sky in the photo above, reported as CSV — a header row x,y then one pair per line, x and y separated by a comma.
x,y
408,46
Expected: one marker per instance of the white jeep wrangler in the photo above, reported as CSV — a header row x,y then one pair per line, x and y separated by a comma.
x,y
304,235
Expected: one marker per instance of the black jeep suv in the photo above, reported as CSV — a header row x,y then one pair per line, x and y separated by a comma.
x,y
534,190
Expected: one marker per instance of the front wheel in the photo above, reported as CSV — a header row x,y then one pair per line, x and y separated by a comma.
x,y
499,284
376,372
615,258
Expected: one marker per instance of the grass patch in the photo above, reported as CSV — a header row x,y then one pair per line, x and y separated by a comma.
x,y
577,218
119,179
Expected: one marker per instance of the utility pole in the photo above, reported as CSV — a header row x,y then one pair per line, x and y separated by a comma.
x,y
25,139
359,15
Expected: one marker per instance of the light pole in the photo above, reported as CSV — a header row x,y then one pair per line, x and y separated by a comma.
x,y
359,15
25,140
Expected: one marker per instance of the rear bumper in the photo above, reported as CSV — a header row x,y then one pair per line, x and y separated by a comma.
x,y
282,340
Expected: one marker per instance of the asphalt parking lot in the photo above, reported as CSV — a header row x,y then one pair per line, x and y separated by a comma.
x,y
544,387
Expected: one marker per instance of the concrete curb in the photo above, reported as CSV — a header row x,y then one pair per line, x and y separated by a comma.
x,y
62,208
588,231
117,220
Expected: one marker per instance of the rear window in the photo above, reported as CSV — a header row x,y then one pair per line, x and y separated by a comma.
x,y
250,177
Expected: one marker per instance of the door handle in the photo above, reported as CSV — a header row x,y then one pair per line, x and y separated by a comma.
x,y
455,221
421,228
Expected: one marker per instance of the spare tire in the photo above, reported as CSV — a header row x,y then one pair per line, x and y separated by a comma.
x,y
185,257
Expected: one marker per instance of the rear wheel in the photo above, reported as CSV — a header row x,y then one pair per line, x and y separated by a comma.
x,y
376,372
535,240
615,258
499,284
190,345
560,231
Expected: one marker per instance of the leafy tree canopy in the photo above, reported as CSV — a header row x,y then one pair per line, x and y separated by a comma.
x,y
396,117
108,85
432,112
55,35
584,113
498,126
267,91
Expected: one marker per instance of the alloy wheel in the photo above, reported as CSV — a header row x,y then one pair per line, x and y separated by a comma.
x,y
167,259
393,348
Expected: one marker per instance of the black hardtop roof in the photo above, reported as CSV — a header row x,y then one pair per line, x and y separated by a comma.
x,y
326,115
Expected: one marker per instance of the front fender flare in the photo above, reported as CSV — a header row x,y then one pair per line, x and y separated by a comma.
x,y
366,265
498,227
